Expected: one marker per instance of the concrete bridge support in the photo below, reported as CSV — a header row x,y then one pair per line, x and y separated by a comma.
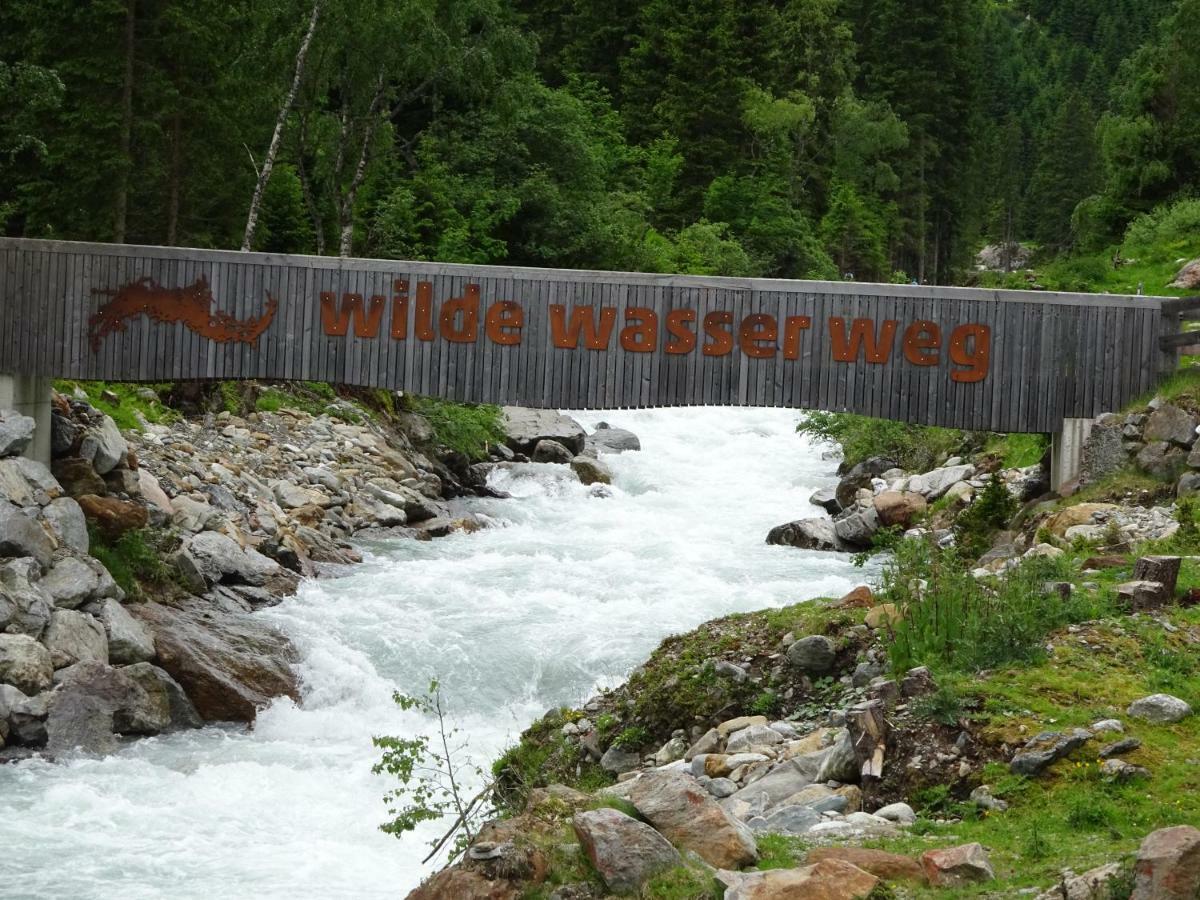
x,y
30,396
1066,451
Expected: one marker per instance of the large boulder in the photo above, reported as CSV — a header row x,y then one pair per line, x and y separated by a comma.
x,y
524,428
625,852
1104,451
1080,514
813,655
1187,278
66,519
807,534
21,535
103,446
901,508
24,663
219,558
73,637
417,508
129,641
1168,865
113,516
24,607
607,439
77,477
1171,424
681,809
230,664
1161,709
933,484
161,687
591,471
881,864
826,879
71,582
856,526
16,433
1042,750
1162,459
548,451
957,866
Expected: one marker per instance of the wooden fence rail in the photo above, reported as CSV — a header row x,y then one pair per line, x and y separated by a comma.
x,y
963,358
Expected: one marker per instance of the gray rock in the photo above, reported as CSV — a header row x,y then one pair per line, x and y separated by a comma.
x,y
840,762
16,433
1189,483
1104,453
684,812
1119,770
900,813
856,527
752,739
807,534
415,506
814,654
721,787
70,583
220,559
982,798
21,535
826,498
1172,424
1117,748
548,451
613,440
67,521
63,434
793,819
103,446
157,683
24,607
617,760
933,484
25,664
525,427
591,471
1044,749
28,720
74,636
1159,709
709,742
79,723
192,515
1161,459
625,852
129,641
788,778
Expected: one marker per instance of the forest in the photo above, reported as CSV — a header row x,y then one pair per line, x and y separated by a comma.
x,y
868,139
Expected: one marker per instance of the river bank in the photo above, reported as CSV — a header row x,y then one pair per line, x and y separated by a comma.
x,y
564,593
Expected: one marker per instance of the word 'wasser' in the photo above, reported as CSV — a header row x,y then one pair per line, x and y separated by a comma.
x,y
680,331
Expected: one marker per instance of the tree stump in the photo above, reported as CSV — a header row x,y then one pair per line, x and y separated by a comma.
x,y
868,732
1163,569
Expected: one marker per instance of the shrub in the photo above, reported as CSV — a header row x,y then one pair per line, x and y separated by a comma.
x,y
130,559
992,510
1165,225
917,448
468,429
951,619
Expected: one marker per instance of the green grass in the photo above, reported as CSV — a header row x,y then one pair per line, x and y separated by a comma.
x,y
471,430
128,404
916,448
131,559
1016,451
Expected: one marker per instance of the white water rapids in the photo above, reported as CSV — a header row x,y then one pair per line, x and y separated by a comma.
x,y
565,594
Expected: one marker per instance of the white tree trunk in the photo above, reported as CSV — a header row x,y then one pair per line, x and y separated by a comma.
x,y
285,110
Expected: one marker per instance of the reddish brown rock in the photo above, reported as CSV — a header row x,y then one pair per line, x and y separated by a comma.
x,y
627,853
114,517
1168,865
957,866
828,879
887,866
229,663
463,884
686,814
859,598
899,508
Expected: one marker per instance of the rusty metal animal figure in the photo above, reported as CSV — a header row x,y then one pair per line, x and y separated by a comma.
x,y
191,305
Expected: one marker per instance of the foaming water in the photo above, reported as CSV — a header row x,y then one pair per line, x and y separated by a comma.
x,y
564,594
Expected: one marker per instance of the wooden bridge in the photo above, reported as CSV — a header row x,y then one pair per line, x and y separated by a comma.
x,y
988,360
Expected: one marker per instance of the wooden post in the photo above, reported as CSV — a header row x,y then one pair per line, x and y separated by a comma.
x,y
30,396
1066,451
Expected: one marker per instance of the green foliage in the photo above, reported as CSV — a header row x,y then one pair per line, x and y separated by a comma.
x,y
430,777
978,523
949,619
777,851
633,738
687,882
124,402
465,428
1016,451
230,395
916,448
945,705
132,559
1034,845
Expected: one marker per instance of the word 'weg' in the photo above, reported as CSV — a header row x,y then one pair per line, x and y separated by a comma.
x,y
757,336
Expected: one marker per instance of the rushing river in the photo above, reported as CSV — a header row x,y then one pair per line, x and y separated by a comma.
x,y
566,593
